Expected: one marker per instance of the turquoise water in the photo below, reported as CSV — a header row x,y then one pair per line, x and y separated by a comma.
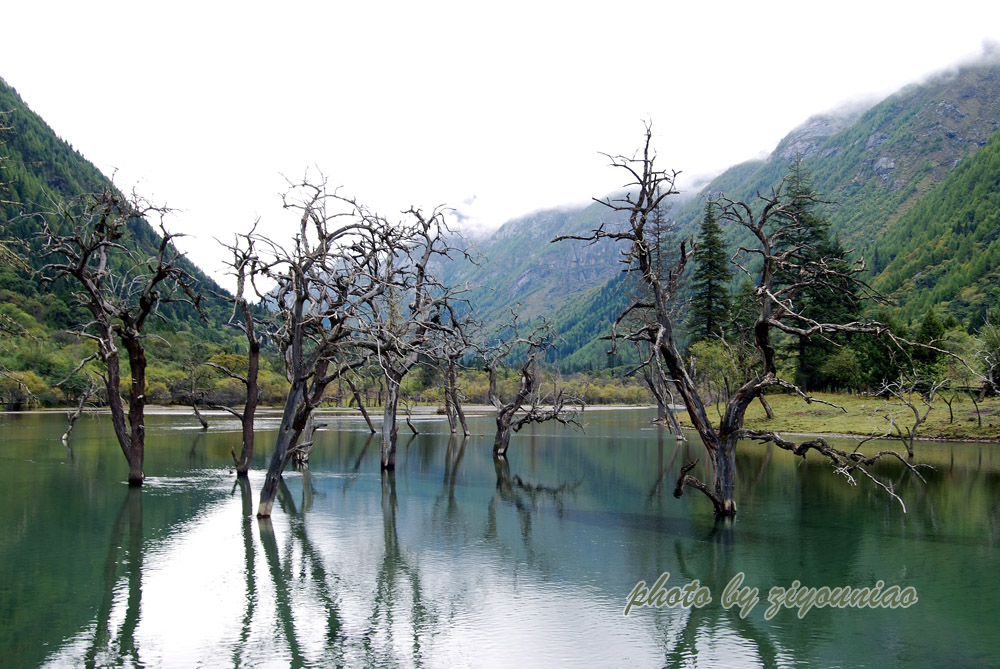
x,y
454,561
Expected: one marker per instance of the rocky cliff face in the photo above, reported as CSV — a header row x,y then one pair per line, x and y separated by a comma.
x,y
806,139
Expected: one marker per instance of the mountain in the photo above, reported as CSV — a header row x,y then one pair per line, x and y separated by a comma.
x,y
873,166
894,176
518,266
944,252
911,184
38,169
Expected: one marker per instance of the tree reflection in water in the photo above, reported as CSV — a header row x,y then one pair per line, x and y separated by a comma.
x,y
249,568
298,569
664,470
449,560
712,628
108,645
399,602
452,462
526,499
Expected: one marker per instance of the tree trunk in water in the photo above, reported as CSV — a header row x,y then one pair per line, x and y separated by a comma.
x,y
361,405
249,409
389,426
725,477
288,433
661,409
461,418
451,398
246,450
136,411
449,411
72,417
197,414
451,391
675,427
368,419
502,439
300,454
409,423
279,459
135,474
131,437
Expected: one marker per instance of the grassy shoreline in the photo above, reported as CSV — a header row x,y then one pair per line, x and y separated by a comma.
x,y
861,416
864,416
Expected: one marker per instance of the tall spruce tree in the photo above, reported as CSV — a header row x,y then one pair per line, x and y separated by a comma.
x,y
710,302
810,242
930,331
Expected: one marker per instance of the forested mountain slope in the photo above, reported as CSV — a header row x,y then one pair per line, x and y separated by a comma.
x,y
518,266
875,168
38,170
944,252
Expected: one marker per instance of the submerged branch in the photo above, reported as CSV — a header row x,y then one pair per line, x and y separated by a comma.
x,y
686,479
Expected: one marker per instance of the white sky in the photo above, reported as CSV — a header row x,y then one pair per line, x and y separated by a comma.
x,y
494,109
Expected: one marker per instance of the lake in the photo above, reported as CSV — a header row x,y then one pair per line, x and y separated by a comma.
x,y
454,560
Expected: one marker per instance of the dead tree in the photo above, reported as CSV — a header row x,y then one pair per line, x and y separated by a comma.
x,y
300,457
197,414
244,265
73,416
413,312
452,394
361,405
408,413
453,344
902,397
529,404
333,266
659,384
90,242
770,220
194,395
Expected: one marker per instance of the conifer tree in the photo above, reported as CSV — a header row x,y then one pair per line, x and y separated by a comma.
x,y
930,332
810,242
710,302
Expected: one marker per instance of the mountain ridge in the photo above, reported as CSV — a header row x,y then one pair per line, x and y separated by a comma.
x,y
872,166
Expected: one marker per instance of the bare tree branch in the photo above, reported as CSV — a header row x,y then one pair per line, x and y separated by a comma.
x,y
89,241
527,405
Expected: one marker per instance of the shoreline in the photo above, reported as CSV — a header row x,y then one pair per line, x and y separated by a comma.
x,y
847,435
473,410
422,410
